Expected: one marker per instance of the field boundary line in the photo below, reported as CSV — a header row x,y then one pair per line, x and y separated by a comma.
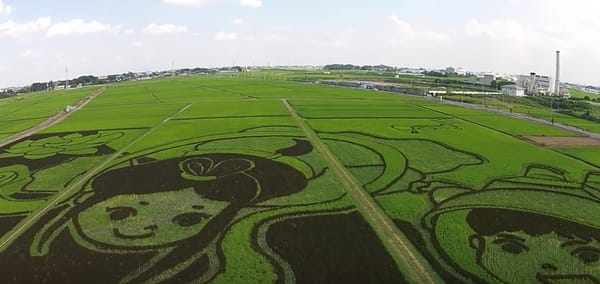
x,y
389,234
227,92
52,120
10,236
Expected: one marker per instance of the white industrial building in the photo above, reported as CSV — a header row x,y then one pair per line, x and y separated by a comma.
x,y
458,71
536,84
513,90
410,71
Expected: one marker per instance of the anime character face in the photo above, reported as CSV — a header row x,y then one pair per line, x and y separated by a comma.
x,y
527,247
148,220
547,258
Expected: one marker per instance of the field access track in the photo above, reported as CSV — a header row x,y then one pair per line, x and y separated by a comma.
x,y
52,120
404,253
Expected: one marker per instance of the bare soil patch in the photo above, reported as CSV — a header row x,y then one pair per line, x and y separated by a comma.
x,y
552,141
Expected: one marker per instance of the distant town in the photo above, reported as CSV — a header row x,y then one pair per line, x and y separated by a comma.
x,y
532,84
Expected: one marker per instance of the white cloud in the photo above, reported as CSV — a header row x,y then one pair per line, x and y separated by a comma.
x,y
192,2
335,38
5,9
497,29
406,32
247,3
29,54
575,22
24,30
251,3
136,43
512,33
238,21
45,27
514,2
79,27
156,29
224,36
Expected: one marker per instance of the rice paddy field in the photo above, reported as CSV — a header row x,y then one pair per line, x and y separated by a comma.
x,y
237,180
25,111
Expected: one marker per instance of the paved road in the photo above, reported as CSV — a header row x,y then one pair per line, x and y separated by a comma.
x,y
52,120
406,255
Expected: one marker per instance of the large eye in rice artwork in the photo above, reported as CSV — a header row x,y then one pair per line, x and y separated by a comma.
x,y
161,214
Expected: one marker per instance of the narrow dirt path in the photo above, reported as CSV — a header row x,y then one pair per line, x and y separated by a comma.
x,y
405,254
9,237
52,120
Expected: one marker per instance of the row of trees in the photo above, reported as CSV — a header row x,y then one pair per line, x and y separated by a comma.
x,y
350,67
89,80
80,81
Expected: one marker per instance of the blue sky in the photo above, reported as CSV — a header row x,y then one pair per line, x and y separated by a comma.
x,y
40,39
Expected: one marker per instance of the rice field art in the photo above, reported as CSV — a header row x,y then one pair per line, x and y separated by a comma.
x,y
229,180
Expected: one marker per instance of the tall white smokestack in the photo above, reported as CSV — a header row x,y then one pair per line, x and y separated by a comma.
x,y
557,86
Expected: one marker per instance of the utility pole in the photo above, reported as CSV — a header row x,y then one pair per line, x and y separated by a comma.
x,y
66,78
557,86
484,97
552,110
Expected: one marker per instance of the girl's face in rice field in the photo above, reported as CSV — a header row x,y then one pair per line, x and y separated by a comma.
x,y
548,258
148,220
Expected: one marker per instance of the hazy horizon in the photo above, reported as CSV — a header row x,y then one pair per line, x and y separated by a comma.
x,y
40,40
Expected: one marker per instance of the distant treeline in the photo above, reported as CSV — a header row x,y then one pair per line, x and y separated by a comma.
x,y
350,67
89,80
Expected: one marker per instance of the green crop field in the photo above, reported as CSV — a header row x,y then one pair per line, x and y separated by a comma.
x,y
576,93
248,180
